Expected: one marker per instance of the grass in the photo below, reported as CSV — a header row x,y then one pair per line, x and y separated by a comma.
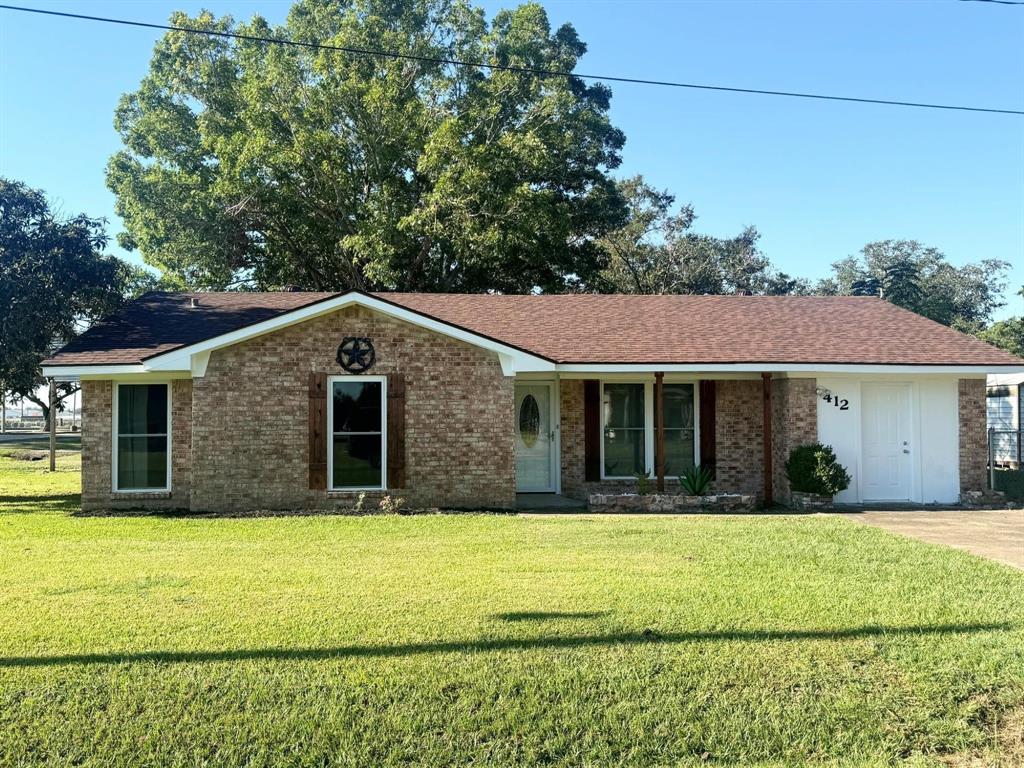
x,y
41,442
494,640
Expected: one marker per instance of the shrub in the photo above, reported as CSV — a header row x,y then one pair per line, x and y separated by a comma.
x,y
391,505
643,483
695,481
813,468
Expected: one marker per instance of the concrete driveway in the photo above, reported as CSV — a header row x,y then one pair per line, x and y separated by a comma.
x,y
995,534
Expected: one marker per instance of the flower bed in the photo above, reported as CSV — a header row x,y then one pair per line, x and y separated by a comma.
x,y
664,503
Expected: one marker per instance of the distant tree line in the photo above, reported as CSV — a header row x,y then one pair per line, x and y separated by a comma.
x,y
250,166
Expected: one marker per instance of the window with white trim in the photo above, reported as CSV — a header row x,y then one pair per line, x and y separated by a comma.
x,y
680,443
625,429
357,445
628,441
142,440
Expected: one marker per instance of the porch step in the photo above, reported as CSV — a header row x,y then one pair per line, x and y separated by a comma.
x,y
548,502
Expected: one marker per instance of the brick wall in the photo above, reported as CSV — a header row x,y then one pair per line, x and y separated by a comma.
x,y
97,451
738,434
973,435
794,422
250,414
738,437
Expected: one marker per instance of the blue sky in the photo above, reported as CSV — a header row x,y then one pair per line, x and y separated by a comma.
x,y
819,180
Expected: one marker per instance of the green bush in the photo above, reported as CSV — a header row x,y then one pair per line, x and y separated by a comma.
x,y
643,483
695,481
1011,482
813,468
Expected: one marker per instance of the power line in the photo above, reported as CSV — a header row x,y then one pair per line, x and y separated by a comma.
x,y
506,67
997,2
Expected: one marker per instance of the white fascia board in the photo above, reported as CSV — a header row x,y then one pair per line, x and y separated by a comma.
x,y
598,368
512,359
76,372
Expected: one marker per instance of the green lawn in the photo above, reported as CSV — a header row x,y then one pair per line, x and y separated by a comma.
x,y
40,442
494,640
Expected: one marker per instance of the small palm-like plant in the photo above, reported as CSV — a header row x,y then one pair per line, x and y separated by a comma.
x,y
696,480
643,483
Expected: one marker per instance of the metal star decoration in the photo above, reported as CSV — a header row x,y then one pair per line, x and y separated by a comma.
x,y
356,354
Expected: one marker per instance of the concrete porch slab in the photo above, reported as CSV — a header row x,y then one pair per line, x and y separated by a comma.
x,y
548,502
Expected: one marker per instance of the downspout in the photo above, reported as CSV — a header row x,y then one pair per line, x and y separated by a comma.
x,y
766,387
659,429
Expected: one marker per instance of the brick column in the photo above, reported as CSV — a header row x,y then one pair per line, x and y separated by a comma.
x,y
795,422
973,436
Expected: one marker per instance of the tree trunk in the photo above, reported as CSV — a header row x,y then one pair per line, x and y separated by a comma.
x,y
45,408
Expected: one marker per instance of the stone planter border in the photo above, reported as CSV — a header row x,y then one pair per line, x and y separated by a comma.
x,y
804,500
665,503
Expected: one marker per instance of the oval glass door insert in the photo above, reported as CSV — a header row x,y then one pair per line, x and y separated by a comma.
x,y
529,421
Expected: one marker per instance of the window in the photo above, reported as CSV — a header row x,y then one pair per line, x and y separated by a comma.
x,y
356,451
625,421
679,430
628,429
142,442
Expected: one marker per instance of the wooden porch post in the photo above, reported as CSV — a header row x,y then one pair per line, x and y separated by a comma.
x,y
659,428
53,424
766,387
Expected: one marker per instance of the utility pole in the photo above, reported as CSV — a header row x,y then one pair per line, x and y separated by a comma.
x,y
53,424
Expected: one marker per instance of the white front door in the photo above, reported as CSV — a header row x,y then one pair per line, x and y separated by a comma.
x,y
885,436
535,438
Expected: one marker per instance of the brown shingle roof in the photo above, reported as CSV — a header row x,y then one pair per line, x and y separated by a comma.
x,y
584,328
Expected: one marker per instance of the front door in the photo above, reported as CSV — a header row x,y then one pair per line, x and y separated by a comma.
x,y
535,438
885,435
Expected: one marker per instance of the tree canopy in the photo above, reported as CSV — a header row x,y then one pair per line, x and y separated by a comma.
x,y
53,281
921,279
1006,334
656,251
265,165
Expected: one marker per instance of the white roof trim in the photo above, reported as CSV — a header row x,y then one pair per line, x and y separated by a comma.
x,y
512,360
597,368
74,372
512,365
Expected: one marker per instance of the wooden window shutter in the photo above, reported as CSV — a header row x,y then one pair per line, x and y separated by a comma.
x,y
707,424
318,431
592,430
396,431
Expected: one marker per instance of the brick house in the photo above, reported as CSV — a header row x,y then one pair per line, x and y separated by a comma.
x,y
234,402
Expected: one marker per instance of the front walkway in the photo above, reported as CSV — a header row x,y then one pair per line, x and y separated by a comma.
x,y
995,534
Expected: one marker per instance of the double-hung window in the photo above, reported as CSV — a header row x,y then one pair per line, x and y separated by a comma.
x,y
679,429
629,437
625,429
142,440
357,448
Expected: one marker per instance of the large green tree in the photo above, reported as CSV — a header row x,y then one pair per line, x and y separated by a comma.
x,y
251,163
656,251
54,280
921,279
1006,334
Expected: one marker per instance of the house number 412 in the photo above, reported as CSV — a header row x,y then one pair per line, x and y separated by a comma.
x,y
839,402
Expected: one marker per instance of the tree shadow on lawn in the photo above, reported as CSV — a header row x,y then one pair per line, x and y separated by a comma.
x,y
53,502
545,615
646,637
